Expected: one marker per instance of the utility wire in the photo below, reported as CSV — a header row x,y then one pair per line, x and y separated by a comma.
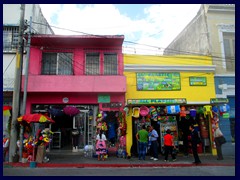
x,y
104,36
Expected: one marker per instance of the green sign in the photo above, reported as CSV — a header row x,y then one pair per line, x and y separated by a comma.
x,y
157,101
218,100
158,81
197,81
103,99
225,115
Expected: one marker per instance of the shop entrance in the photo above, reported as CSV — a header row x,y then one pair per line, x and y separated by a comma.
x,y
63,129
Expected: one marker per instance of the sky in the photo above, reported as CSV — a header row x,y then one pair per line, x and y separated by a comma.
x,y
151,27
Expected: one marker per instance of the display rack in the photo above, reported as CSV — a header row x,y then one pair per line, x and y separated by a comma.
x,y
56,140
170,122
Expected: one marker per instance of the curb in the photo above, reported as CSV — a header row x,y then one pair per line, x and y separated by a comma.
x,y
43,165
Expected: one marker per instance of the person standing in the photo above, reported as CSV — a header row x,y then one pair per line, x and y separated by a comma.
x,y
101,148
218,133
169,145
154,144
194,142
142,138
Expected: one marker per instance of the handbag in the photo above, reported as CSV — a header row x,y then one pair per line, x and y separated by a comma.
x,y
221,140
75,132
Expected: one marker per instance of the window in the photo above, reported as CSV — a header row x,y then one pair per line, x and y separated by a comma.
x,y
10,38
229,50
57,64
92,64
110,64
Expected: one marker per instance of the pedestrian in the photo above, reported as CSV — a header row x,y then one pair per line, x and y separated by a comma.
x,y
194,142
217,134
142,138
101,148
169,145
154,144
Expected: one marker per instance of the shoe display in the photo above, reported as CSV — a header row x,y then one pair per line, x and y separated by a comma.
x,y
155,159
151,157
166,160
174,159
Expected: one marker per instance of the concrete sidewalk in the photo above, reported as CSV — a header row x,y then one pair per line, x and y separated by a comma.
x,y
77,160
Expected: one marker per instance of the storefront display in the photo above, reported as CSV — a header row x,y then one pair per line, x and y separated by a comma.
x,y
169,123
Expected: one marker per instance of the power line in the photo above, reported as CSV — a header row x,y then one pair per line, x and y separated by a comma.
x,y
104,36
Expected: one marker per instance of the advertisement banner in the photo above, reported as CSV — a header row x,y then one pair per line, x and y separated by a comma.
x,y
158,81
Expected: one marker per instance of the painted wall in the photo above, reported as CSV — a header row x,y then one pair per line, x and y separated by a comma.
x,y
73,83
74,98
191,93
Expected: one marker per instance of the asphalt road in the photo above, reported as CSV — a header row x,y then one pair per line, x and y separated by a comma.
x,y
157,171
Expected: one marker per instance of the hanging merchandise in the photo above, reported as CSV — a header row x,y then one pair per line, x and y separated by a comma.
x,y
56,112
215,109
200,110
136,111
193,112
161,110
173,109
153,113
71,110
225,115
6,110
183,111
207,110
126,109
224,108
144,111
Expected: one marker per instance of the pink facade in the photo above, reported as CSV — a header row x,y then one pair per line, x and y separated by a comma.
x,y
79,88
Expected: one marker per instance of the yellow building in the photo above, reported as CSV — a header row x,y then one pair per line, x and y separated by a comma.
x,y
163,81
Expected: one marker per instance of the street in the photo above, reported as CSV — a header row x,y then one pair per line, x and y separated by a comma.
x,y
156,171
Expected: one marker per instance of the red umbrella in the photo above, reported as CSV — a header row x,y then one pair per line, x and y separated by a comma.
x,y
71,110
35,118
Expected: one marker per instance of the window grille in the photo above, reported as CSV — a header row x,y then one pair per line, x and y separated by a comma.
x,y
110,64
10,38
57,64
92,64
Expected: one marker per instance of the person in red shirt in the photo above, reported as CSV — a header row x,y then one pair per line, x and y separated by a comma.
x,y
169,145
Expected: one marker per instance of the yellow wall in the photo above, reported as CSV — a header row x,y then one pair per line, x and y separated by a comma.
x,y
191,93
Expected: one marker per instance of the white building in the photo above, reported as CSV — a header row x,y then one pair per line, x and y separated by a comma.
x,y
11,21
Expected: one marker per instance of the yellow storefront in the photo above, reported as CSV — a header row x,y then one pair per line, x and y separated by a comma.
x,y
188,82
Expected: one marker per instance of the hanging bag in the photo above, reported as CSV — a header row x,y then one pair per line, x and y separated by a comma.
x,y
221,139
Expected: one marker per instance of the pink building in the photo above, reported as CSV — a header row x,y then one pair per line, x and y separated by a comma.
x,y
81,71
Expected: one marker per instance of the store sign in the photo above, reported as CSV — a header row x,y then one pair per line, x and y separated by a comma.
x,y
157,101
103,99
219,100
197,81
158,81
111,105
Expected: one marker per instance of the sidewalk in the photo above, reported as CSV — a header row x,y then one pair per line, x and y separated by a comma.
x,y
77,160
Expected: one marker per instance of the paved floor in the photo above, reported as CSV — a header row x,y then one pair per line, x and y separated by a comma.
x,y
70,159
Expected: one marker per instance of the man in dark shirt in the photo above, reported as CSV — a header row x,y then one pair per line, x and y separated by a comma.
x,y
194,142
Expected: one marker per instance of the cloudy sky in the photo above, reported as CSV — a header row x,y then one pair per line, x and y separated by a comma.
x,y
148,24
